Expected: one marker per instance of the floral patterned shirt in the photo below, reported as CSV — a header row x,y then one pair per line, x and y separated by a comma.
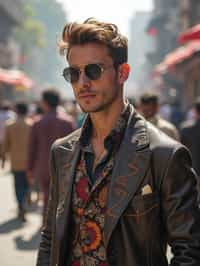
x,y
90,195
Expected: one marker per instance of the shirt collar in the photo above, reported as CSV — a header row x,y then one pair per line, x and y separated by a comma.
x,y
115,136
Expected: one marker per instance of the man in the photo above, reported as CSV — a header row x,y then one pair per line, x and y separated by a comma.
x,y
120,191
190,137
15,144
149,107
44,132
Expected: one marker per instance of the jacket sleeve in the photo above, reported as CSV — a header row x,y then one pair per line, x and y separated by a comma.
x,y
181,214
47,236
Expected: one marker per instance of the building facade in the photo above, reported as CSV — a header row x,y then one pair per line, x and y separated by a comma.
x,y
139,45
179,66
165,22
10,16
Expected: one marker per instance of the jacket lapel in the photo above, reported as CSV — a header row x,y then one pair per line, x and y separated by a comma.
x,y
130,167
69,159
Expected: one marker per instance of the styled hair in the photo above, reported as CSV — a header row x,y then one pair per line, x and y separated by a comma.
x,y
93,31
149,98
51,97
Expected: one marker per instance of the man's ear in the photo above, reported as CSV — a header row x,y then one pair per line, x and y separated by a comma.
x,y
123,72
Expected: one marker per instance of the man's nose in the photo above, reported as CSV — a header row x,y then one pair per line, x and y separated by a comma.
x,y
83,79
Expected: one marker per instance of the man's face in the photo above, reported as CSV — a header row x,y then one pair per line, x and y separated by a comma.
x,y
148,110
94,95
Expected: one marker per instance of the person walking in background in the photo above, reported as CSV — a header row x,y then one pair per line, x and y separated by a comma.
x,y
15,145
120,190
190,137
177,115
36,113
73,109
5,114
53,124
149,108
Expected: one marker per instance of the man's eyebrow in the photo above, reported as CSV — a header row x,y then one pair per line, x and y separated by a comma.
x,y
90,63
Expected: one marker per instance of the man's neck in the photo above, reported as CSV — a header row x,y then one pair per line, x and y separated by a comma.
x,y
103,122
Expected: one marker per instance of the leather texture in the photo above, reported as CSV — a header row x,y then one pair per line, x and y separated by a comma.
x,y
138,225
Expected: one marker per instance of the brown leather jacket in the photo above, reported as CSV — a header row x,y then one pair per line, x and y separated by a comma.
x,y
152,201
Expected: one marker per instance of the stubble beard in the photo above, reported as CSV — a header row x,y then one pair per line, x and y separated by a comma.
x,y
102,106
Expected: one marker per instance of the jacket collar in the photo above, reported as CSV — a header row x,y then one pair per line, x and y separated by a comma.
x,y
116,132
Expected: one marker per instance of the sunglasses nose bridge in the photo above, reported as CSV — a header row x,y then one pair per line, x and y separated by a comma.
x,y
83,78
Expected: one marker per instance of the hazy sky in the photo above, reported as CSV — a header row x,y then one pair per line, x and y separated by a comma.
x,y
115,11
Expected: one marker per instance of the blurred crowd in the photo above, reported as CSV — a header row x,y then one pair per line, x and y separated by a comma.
x,y
28,130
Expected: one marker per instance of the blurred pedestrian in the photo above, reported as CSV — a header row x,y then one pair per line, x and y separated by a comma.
x,y
190,137
16,145
120,191
44,132
74,110
61,110
149,107
165,111
6,113
177,115
38,113
35,115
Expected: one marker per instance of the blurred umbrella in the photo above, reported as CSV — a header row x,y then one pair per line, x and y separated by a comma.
x,y
16,78
176,57
190,35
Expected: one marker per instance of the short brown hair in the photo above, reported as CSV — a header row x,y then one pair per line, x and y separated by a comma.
x,y
93,31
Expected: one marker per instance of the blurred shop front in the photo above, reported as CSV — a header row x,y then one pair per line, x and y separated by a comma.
x,y
179,72
14,84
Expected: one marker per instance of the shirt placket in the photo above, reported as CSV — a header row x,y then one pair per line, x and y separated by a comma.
x,y
85,216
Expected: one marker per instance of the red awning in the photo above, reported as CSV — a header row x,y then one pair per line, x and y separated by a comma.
x,y
190,35
176,57
15,77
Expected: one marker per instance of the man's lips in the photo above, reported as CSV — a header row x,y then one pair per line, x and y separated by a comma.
x,y
86,96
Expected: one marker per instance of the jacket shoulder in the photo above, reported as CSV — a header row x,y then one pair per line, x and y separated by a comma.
x,y
68,141
151,135
165,152
162,146
158,138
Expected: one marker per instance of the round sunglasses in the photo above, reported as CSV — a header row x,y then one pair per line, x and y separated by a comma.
x,y
92,71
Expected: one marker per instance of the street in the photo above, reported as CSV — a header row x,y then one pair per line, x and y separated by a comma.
x,y
18,241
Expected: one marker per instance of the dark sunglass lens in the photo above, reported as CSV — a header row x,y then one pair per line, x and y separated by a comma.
x,y
93,71
74,75
71,74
